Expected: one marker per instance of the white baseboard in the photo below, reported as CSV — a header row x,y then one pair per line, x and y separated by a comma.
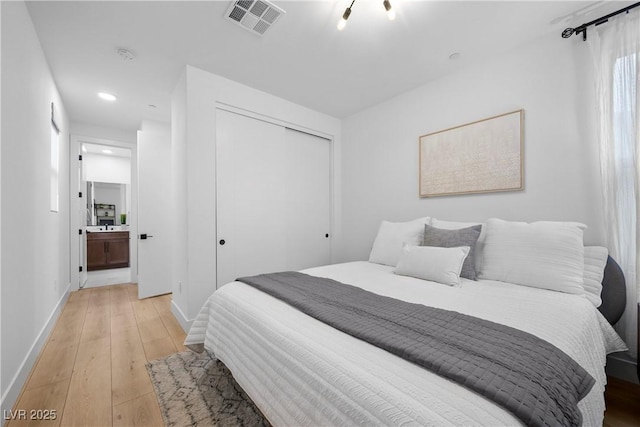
x,y
622,366
179,315
9,399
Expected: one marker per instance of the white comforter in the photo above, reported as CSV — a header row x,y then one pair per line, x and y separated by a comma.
x,y
301,372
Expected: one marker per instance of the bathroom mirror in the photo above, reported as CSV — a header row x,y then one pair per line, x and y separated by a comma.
x,y
108,203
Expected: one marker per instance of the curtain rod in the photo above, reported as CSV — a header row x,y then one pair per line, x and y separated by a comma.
x,y
583,28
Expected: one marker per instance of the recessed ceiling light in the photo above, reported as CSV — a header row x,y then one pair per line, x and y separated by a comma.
x,y
107,151
107,96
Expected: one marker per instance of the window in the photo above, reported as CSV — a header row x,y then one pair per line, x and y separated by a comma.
x,y
625,79
54,179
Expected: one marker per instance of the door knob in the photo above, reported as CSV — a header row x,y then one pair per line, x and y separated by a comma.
x,y
222,242
145,236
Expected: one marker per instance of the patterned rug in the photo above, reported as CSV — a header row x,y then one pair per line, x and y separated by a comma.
x,y
198,390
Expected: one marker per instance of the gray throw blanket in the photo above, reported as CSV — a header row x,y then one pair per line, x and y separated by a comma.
x,y
528,376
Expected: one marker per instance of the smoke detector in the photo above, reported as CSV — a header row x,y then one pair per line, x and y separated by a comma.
x,y
125,54
256,16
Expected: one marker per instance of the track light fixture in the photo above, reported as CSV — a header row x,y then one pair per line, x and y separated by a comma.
x,y
345,16
391,13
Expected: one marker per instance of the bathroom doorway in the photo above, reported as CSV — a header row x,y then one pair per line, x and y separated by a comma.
x,y
104,213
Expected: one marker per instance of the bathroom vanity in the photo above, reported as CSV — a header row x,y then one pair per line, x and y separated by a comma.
x,y
107,249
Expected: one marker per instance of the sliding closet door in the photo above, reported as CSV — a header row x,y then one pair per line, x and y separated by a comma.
x,y
273,198
307,210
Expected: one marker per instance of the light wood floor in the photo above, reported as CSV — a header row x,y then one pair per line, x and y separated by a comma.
x,y
92,373
92,369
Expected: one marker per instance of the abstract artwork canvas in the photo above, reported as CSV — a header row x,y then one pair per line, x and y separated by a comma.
x,y
478,157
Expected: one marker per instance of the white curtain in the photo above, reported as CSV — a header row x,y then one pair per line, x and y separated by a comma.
x,y
615,48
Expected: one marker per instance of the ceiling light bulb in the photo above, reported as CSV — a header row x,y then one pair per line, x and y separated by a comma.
x,y
391,13
343,21
107,151
107,96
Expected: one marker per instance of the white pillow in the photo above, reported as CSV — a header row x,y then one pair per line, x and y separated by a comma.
x,y
433,263
543,254
455,225
595,260
387,247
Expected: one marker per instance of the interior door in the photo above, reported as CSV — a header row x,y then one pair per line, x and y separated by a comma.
x,y
82,215
154,209
273,198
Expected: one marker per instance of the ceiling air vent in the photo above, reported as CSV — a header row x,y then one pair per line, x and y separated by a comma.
x,y
256,16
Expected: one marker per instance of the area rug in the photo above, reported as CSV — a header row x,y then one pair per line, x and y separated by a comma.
x,y
198,390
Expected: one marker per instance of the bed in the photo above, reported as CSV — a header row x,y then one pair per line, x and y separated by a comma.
x,y
300,371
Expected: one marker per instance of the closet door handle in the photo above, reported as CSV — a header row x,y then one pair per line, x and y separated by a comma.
x,y
222,242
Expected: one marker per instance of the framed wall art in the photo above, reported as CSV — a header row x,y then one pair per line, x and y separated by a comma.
x,y
479,157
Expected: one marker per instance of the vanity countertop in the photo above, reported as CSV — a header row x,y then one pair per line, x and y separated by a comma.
x,y
111,229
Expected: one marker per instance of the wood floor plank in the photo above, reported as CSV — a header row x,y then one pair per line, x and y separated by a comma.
x,y
132,290
79,295
162,303
138,412
96,326
161,347
123,321
151,330
55,364
130,382
120,303
129,374
89,398
623,403
144,309
71,321
176,332
100,299
42,405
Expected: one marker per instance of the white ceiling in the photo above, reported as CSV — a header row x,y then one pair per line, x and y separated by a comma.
x,y
303,57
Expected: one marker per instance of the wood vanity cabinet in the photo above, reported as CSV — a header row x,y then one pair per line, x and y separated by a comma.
x,y
107,250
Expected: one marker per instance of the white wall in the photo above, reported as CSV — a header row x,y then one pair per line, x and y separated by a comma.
x,y
546,78
35,241
101,168
95,131
180,296
193,120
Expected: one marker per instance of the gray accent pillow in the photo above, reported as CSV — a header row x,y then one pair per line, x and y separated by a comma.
x,y
453,238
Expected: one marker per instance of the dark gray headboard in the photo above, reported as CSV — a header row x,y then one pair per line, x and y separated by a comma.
x,y
614,292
